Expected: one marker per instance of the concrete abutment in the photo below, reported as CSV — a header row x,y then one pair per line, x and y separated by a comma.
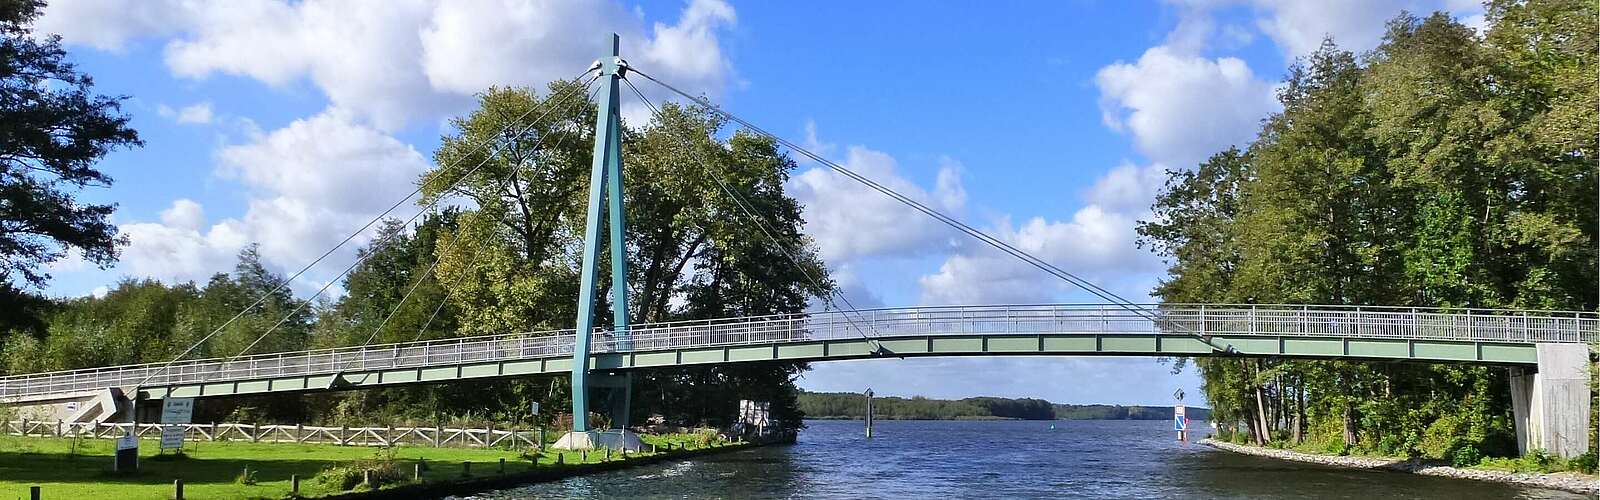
x,y
1550,404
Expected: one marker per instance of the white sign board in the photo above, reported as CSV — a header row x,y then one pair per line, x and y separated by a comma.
x,y
172,437
535,407
1180,422
127,442
177,410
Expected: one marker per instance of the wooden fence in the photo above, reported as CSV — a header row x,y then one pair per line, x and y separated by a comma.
x,y
484,437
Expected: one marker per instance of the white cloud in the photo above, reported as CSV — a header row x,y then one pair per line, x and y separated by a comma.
x,y
177,253
1298,26
1180,108
1096,244
1128,188
391,62
850,221
198,113
311,184
110,24
316,180
184,214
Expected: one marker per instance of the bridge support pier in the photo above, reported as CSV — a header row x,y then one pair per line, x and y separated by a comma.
x,y
1550,405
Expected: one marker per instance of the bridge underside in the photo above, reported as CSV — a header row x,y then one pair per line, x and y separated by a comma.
x,y
1510,354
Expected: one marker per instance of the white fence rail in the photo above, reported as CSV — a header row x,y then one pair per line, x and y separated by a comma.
x,y
1096,319
466,437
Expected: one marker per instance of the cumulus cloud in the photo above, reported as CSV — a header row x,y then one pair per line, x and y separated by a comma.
x,y
1095,244
312,182
1298,26
178,253
198,113
391,62
184,214
111,24
1181,108
851,221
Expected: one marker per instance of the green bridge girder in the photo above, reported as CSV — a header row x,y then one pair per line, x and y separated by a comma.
x,y
996,344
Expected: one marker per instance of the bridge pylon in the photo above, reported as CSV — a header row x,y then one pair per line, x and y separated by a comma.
x,y
605,206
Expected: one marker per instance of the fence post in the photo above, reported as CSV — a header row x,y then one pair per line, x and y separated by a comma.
x,y
294,485
33,492
177,489
299,433
416,472
502,466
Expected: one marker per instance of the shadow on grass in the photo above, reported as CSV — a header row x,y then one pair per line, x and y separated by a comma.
x,y
28,467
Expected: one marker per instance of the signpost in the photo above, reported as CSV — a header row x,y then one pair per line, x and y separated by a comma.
x,y
1180,421
174,413
127,457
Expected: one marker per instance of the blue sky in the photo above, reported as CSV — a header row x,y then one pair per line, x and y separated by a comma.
x,y
1050,124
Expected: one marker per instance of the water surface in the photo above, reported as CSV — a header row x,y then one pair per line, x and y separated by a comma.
x,y
1012,459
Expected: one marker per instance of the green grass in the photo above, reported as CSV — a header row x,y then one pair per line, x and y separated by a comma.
x,y
212,470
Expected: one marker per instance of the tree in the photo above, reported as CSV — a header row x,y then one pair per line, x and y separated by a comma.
x,y
53,129
1444,168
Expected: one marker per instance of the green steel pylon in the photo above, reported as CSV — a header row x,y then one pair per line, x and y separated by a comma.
x,y
605,180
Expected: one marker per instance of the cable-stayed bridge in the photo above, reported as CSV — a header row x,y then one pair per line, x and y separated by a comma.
x,y
1546,350
1493,337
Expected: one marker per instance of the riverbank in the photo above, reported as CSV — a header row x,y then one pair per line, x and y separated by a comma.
x,y
1565,481
68,468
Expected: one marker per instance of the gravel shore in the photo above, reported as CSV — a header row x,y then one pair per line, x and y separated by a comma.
x,y
1567,481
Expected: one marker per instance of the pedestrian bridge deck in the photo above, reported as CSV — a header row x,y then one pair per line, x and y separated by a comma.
x,y
1330,332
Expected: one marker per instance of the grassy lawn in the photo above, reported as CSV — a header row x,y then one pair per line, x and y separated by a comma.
x,y
211,470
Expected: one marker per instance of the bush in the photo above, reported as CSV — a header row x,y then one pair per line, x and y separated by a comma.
x,y
345,477
1466,456
1584,463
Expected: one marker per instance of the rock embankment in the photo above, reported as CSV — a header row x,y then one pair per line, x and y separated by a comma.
x,y
1567,481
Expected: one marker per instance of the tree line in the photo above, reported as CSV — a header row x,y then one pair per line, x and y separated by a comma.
x,y
1445,168
853,406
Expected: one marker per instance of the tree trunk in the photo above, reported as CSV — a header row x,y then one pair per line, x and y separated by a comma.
x,y
1264,435
1300,412
1349,427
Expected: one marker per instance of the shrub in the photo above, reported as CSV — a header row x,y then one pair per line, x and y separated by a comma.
x,y
1466,456
1584,463
345,477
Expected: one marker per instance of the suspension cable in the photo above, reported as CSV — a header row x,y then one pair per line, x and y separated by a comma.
x,y
748,211
429,206
950,221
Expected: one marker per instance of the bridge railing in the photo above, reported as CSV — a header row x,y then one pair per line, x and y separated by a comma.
x,y
1098,319
1209,320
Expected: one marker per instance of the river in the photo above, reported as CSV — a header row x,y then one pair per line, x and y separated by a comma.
x,y
1005,459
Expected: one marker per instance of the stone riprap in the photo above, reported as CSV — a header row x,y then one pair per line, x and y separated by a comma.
x,y
1566,481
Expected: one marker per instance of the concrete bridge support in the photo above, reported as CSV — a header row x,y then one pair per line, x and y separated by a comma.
x,y
105,405
1551,404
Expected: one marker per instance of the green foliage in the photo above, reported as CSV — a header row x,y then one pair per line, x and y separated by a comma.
x,y
347,476
1441,169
